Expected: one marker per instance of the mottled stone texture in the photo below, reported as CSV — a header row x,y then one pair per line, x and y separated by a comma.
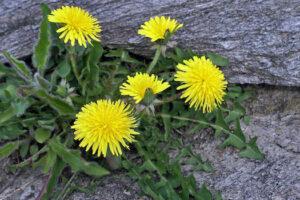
x,y
261,37
275,119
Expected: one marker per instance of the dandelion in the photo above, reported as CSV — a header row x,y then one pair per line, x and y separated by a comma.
x,y
157,27
77,24
105,124
136,86
203,82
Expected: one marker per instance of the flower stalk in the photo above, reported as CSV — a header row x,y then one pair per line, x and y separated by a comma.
x,y
74,65
167,100
155,59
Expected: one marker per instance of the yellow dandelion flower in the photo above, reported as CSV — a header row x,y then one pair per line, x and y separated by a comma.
x,y
157,27
136,86
105,124
77,24
203,82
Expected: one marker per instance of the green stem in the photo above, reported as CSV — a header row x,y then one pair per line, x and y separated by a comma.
x,y
66,187
215,126
42,150
111,79
155,59
167,100
74,65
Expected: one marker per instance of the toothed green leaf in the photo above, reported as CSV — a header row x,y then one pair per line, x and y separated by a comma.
x,y
246,95
57,103
237,139
41,50
41,135
204,193
63,69
218,195
54,177
217,59
8,148
236,113
220,124
49,160
6,115
73,158
20,66
252,150
247,120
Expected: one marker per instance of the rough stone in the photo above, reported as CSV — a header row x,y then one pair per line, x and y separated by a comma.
x,y
261,38
275,119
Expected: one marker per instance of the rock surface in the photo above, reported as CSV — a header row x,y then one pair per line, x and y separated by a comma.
x,y
275,119
261,38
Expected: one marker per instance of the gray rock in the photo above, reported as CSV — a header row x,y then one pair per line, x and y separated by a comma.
x,y
261,38
275,119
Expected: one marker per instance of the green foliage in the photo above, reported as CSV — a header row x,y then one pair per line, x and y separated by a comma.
x,y
38,109
24,149
41,50
74,159
63,69
53,178
6,115
252,150
217,59
205,193
163,179
41,135
57,103
7,149
49,160
218,195
236,139
92,68
20,66
5,71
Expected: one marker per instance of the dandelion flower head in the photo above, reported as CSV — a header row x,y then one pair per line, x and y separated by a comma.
x,y
157,27
136,86
77,24
105,124
203,82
